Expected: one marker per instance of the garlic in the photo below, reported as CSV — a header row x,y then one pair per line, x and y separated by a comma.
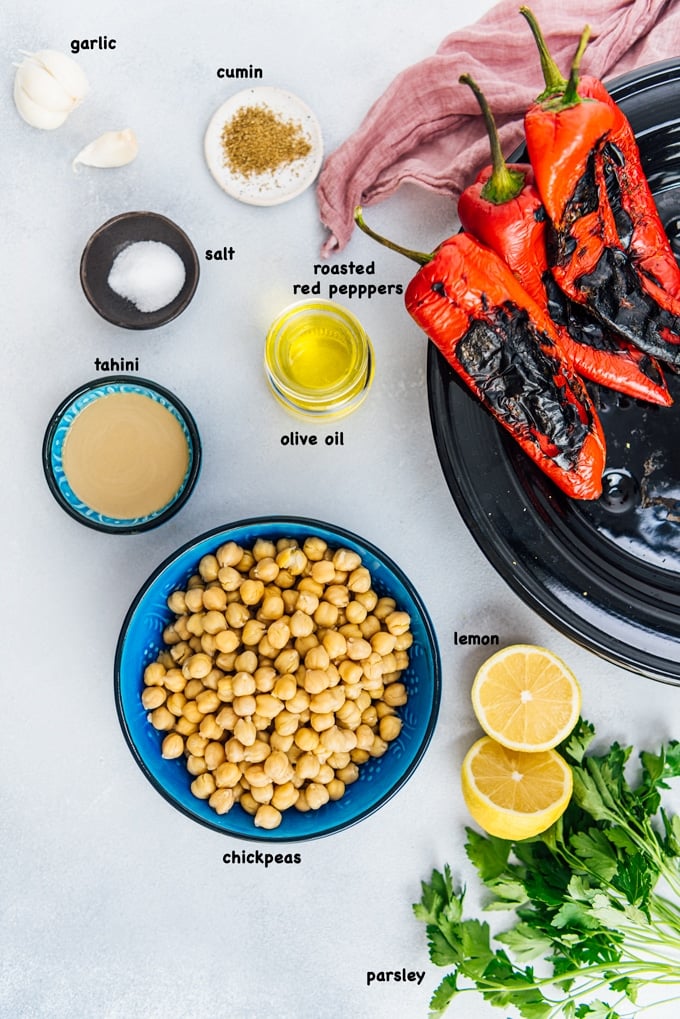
x,y
47,87
114,148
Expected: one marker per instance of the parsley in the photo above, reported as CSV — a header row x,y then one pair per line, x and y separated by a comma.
x,y
596,898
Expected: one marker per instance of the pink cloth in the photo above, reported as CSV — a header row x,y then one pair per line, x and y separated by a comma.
x,y
426,128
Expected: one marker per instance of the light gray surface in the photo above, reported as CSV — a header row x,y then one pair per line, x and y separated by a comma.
x,y
112,903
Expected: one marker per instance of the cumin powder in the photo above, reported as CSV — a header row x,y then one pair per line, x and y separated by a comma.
x,y
256,140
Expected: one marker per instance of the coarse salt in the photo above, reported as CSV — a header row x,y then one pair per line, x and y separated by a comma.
x,y
148,273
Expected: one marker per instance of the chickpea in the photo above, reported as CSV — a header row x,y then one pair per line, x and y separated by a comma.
x,y
284,796
242,684
268,706
278,767
367,598
336,789
214,755
308,584
356,613
314,548
262,794
364,736
204,786
327,700
285,687
395,695
317,795
154,674
196,765
174,680
175,704
287,661
279,742
301,802
348,774
197,666
222,800
194,600
350,672
286,722
184,727
245,731
161,718
358,649
298,704
172,746
389,727
267,816
307,766
359,580
252,632
263,549
234,750
323,571
153,697
214,599
176,603
229,554
249,804
292,559
359,756
210,728
307,739
322,720
247,661
369,627
339,760
265,570
207,702
301,623
227,775
257,752
315,681
278,634
397,622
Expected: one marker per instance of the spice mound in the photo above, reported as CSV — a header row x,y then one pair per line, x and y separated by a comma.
x,y
257,140
148,273
280,676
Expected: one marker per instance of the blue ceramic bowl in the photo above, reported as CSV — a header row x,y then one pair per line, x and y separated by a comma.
x,y
380,778
57,431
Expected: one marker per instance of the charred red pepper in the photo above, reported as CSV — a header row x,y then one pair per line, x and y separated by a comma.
x,y
503,210
566,137
503,347
637,219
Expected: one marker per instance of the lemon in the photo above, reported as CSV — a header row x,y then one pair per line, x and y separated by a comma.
x,y
511,794
526,698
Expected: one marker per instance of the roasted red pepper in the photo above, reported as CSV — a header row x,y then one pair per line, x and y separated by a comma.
x,y
566,138
503,210
503,346
637,219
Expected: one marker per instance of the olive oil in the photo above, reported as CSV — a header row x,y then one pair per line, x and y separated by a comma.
x,y
318,359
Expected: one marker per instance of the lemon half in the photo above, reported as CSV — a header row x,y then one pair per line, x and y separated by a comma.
x,y
526,698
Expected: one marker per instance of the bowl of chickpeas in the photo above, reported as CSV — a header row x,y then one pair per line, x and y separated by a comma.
x,y
278,679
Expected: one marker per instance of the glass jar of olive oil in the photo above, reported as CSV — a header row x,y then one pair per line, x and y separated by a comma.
x,y
318,360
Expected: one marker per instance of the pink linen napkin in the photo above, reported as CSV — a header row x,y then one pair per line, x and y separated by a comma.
x,y
426,128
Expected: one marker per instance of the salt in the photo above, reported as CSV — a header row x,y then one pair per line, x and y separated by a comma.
x,y
148,273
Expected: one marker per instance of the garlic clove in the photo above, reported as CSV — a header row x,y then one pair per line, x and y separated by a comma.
x,y
66,72
113,148
37,116
47,86
42,88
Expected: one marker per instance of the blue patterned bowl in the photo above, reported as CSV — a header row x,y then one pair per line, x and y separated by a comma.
x,y
380,778
57,431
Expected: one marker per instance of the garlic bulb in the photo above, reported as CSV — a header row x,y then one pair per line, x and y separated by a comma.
x,y
113,148
47,86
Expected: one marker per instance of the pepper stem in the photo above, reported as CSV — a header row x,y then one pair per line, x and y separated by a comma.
x,y
417,256
504,184
571,95
555,82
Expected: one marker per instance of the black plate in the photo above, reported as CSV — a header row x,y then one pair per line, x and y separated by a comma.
x,y
605,573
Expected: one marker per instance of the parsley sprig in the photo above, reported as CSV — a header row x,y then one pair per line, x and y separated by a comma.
x,y
596,898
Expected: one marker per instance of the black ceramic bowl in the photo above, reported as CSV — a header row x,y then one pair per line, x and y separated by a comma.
x,y
108,241
605,573
57,432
